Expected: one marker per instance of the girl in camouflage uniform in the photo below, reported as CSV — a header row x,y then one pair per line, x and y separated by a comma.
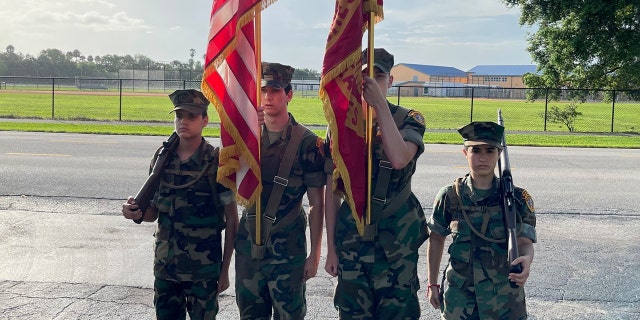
x,y
192,210
477,276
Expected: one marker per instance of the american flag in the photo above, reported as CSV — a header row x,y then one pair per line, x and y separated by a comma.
x,y
341,93
230,83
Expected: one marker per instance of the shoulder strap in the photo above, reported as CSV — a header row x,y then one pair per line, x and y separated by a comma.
x,y
399,116
281,180
466,217
454,196
379,192
211,173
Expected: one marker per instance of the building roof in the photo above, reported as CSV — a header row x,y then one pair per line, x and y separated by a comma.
x,y
503,70
435,70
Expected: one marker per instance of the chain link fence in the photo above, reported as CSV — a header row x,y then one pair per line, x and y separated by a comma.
x,y
597,111
135,99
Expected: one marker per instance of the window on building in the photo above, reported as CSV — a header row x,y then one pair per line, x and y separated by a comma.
x,y
495,79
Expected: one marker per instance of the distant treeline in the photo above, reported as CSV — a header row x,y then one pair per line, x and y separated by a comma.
x,y
56,63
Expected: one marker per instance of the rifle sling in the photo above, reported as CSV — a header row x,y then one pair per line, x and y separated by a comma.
x,y
466,217
280,183
197,174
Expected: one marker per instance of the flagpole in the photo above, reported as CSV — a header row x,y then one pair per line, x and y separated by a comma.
x,y
369,131
258,38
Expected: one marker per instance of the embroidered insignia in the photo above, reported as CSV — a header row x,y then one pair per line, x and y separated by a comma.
x,y
417,116
320,146
528,200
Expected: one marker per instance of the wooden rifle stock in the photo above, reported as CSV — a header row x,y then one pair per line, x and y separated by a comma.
x,y
508,206
150,186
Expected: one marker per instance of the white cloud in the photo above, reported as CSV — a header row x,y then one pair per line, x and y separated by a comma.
x,y
441,32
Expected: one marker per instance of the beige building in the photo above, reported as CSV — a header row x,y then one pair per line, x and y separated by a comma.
x,y
417,80
427,73
503,76
500,76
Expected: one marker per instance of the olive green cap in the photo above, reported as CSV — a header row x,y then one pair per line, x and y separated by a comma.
x,y
382,59
276,75
190,100
478,133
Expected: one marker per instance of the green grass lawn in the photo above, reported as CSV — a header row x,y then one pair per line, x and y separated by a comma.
x,y
523,120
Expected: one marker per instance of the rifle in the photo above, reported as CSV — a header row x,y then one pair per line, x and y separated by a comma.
x,y
508,206
150,186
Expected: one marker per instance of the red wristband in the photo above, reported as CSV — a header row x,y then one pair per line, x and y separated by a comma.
x,y
433,285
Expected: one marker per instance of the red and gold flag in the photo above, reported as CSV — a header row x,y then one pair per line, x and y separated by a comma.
x,y
230,83
341,93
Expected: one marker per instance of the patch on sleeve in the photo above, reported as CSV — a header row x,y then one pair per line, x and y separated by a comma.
x,y
417,116
528,200
320,145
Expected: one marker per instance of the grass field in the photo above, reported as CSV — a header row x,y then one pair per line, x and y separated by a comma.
x,y
523,120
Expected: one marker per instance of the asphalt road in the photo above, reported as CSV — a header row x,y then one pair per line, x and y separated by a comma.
x,y
66,252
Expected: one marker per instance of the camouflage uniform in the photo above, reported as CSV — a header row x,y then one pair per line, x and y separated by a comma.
x,y
477,285
276,282
378,279
188,247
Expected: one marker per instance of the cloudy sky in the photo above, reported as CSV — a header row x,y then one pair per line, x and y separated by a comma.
x,y
456,33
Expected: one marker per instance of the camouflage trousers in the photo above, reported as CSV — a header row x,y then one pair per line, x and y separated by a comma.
x,y
371,287
477,291
263,288
174,299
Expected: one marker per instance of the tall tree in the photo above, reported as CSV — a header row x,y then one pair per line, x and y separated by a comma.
x,y
305,73
76,54
54,63
192,53
583,44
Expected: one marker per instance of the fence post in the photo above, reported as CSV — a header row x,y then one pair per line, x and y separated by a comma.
x,y
471,113
546,105
399,94
148,74
53,97
613,108
120,94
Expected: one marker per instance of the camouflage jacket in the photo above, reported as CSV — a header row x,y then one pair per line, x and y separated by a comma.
x,y
307,171
479,263
402,232
188,242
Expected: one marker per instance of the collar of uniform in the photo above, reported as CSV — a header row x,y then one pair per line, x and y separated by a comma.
x,y
198,156
392,107
468,188
286,132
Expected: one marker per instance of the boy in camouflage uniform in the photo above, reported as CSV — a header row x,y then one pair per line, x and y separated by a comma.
x,y
271,275
192,210
477,276
377,272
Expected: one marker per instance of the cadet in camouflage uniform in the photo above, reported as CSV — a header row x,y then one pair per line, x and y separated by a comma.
x,y
192,210
270,278
377,272
477,276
